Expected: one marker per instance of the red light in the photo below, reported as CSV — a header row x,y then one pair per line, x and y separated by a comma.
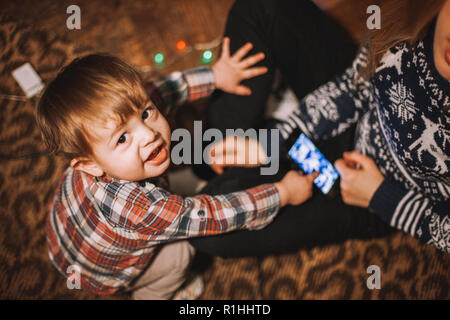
x,y
181,45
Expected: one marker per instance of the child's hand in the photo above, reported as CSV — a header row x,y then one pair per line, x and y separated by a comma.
x,y
295,188
230,71
236,151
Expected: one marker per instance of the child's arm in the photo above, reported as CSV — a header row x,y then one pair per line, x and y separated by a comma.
x,y
295,188
176,217
226,74
153,214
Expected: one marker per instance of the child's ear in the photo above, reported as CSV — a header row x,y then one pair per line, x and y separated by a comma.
x,y
87,165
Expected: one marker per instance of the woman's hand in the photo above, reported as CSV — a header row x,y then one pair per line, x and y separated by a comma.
x,y
360,178
236,151
230,71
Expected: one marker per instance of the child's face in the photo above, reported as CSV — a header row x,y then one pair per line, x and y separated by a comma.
x,y
137,150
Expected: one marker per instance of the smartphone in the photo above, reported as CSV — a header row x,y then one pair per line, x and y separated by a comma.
x,y
310,159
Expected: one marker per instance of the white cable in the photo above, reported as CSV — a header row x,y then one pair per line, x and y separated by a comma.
x,y
13,97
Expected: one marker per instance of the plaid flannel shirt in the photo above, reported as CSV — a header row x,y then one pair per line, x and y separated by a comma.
x,y
108,228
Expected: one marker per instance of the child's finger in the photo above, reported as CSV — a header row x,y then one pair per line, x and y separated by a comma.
x,y
242,51
217,168
254,59
254,72
243,90
311,177
226,47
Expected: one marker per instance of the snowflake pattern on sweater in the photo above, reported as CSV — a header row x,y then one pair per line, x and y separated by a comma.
x,y
402,126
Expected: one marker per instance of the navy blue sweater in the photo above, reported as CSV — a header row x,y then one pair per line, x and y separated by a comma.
x,y
401,124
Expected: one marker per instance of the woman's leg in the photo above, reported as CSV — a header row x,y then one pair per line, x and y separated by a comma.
x,y
321,220
302,42
298,38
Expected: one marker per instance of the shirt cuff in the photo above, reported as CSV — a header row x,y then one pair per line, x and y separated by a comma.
x,y
386,199
267,204
200,82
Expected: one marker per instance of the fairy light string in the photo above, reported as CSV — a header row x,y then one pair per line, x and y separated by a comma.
x,y
160,62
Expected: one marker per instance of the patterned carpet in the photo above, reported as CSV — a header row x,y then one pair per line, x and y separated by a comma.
x,y
409,270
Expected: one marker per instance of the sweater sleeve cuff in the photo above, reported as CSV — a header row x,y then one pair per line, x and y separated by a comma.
x,y
386,199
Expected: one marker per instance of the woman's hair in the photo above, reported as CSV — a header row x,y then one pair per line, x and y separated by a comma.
x,y
88,92
401,21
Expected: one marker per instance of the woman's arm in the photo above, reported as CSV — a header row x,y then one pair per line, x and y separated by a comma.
x,y
334,106
363,185
413,212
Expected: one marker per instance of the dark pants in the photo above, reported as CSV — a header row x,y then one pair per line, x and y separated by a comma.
x,y
309,49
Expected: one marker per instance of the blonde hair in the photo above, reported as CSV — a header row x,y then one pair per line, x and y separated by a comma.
x,y
401,21
89,91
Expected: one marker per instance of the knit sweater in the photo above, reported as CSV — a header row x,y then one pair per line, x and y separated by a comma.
x,y
401,125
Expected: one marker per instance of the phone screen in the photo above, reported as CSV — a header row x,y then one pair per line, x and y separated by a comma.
x,y
310,159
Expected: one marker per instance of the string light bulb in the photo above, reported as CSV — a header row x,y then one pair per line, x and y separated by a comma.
x,y
207,56
181,45
159,58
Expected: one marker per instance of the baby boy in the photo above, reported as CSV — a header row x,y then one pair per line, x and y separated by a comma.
x,y
113,219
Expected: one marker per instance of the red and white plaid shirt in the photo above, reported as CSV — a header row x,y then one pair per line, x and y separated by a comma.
x,y
109,227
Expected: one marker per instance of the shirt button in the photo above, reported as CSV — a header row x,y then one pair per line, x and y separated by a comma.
x,y
142,184
201,213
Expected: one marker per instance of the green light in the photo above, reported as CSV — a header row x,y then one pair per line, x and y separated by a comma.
x,y
159,58
207,56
